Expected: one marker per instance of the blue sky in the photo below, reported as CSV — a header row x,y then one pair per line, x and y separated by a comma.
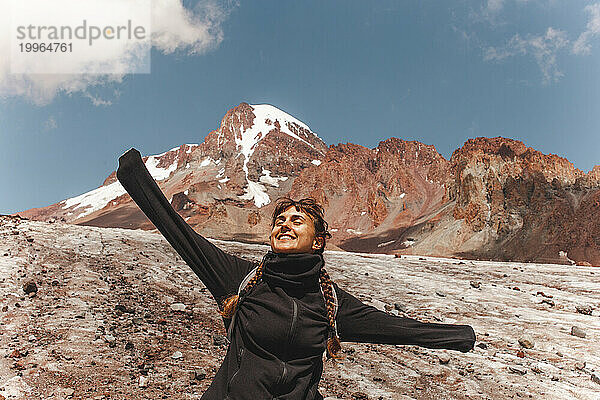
x,y
354,71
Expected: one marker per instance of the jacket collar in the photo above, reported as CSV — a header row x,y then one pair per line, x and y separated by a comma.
x,y
293,271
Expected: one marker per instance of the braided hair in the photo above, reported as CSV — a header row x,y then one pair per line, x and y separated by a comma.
x,y
310,207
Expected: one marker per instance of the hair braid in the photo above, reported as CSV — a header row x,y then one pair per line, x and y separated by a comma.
x,y
333,341
230,303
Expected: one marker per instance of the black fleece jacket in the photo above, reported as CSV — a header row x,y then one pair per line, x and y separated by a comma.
x,y
277,343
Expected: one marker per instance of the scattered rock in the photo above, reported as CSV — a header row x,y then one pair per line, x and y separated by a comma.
x,y
482,345
359,396
178,307
69,392
198,373
544,368
400,307
30,287
111,340
517,370
219,340
577,331
31,338
521,354
441,294
124,309
143,381
475,284
580,365
444,358
548,301
526,342
516,288
4,308
585,310
595,378
17,354
177,355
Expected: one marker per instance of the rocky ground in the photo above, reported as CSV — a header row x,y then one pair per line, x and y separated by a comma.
x,y
98,313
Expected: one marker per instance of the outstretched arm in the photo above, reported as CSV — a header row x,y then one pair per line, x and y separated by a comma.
x,y
220,272
358,322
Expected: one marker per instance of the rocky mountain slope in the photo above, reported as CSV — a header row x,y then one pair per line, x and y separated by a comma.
x,y
108,313
494,199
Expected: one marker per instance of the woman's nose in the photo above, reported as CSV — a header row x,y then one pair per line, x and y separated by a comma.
x,y
285,225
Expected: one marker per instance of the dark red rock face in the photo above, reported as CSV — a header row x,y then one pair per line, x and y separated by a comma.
x,y
494,199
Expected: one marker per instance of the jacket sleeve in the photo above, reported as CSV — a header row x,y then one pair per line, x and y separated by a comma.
x,y
220,272
358,322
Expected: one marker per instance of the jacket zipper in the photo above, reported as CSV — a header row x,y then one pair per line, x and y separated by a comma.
x,y
239,360
289,339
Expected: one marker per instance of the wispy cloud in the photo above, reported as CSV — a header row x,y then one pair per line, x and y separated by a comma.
x,y
97,101
50,124
490,12
582,45
175,28
544,48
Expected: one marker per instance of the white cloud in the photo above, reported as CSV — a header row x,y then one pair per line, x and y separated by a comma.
x,y
544,48
174,28
97,101
491,11
494,6
50,124
582,45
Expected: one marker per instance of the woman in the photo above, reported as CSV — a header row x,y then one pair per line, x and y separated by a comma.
x,y
284,314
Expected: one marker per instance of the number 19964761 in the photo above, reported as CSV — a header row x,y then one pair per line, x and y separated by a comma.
x,y
46,47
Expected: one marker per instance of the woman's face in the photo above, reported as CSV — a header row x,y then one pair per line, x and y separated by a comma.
x,y
294,232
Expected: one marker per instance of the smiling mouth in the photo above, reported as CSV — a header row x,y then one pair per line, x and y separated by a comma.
x,y
285,236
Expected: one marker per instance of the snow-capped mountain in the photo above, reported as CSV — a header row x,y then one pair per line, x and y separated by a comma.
x,y
494,199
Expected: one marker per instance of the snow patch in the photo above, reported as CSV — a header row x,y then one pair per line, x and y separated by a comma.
x,y
402,195
271,180
257,192
409,242
223,180
383,244
96,199
190,147
363,213
206,162
249,137
316,162
186,192
353,231
157,173
264,112
333,229
187,165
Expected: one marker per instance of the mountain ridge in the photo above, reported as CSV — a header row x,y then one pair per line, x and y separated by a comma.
x,y
495,198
